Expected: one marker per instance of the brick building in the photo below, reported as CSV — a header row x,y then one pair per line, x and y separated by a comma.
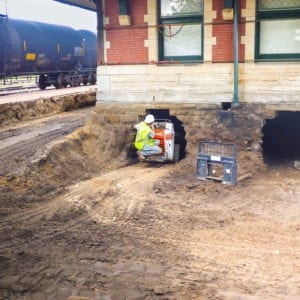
x,y
186,51
226,70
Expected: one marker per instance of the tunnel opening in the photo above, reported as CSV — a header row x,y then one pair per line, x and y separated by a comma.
x,y
178,128
281,138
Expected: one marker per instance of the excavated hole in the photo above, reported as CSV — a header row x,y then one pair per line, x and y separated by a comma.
x,y
281,138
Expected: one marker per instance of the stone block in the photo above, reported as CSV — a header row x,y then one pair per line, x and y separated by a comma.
x,y
124,20
227,14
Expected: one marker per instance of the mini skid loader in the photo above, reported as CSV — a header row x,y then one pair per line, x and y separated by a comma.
x,y
165,133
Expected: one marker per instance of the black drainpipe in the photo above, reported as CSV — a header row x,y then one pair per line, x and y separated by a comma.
x,y
236,54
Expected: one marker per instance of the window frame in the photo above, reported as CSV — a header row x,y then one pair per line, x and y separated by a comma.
x,y
275,14
182,19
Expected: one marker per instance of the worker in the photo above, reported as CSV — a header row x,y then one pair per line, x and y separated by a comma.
x,y
144,140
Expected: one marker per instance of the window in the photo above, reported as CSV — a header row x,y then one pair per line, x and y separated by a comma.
x,y
278,30
181,30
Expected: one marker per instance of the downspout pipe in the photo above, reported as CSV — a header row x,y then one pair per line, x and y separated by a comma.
x,y
100,31
236,53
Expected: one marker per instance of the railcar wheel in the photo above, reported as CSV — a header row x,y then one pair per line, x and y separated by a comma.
x,y
42,82
61,80
75,81
92,79
57,85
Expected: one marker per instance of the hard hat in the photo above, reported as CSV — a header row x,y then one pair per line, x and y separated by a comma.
x,y
149,119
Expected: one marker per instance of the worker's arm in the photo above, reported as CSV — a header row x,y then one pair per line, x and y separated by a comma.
x,y
136,126
152,134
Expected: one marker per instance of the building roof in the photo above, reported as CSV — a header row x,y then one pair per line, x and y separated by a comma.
x,y
85,4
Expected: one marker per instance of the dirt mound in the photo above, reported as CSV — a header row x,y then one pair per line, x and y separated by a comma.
x,y
47,157
81,219
14,111
157,232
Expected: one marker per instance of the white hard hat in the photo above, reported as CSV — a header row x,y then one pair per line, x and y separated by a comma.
x,y
149,119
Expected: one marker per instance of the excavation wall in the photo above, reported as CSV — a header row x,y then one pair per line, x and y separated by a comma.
x,y
241,125
16,110
106,140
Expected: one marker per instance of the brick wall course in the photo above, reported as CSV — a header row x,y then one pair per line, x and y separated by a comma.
x,y
126,42
130,75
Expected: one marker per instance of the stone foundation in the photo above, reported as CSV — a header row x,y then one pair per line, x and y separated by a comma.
x,y
241,125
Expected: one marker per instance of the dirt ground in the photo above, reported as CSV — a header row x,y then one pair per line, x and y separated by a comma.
x,y
135,230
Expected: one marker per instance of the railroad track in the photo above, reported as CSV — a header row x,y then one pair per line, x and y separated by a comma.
x,y
17,89
17,85
28,89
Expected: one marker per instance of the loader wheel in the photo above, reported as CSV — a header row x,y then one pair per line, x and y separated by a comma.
x,y
176,153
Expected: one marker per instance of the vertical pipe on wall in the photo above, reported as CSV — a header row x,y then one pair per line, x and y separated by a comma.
x,y
100,31
236,54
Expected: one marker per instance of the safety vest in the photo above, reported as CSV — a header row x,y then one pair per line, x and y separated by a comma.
x,y
142,136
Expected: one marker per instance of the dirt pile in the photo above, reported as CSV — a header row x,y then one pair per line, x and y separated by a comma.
x,y
44,158
156,232
15,111
82,219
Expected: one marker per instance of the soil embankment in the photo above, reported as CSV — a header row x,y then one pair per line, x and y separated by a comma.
x,y
16,108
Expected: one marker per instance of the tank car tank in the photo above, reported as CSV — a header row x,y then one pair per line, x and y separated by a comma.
x,y
59,55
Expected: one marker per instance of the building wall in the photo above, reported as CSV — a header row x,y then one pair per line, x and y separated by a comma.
x,y
131,71
125,44
223,33
241,126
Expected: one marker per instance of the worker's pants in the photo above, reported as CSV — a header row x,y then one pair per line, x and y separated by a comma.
x,y
150,150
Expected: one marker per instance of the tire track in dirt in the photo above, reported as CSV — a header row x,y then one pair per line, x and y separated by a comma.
x,y
13,224
105,198
245,255
109,197
14,156
100,199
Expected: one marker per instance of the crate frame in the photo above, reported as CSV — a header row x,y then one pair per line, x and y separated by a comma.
x,y
217,153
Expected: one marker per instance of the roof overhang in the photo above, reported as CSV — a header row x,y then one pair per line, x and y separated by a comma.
x,y
84,4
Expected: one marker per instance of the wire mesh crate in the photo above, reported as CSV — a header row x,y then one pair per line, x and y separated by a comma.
x,y
216,157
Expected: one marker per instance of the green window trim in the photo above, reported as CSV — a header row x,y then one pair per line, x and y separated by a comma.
x,y
180,26
279,16
271,5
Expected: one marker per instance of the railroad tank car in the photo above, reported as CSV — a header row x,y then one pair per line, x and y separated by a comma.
x,y
59,55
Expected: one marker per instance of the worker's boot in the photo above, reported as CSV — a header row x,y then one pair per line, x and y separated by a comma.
x,y
140,155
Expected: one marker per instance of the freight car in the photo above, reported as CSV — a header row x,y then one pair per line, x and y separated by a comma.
x,y
58,55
